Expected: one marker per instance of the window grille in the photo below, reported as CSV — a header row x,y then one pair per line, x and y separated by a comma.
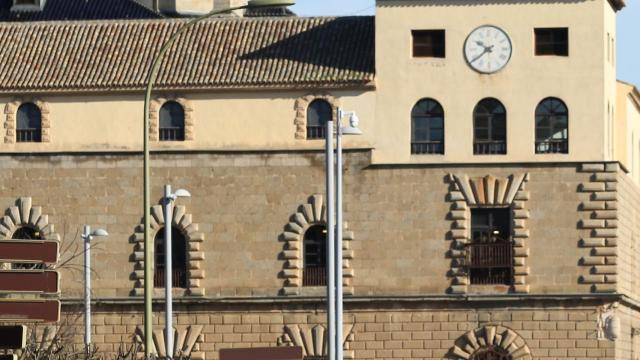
x,y
28,123
490,128
315,256
171,122
179,259
491,353
552,127
318,113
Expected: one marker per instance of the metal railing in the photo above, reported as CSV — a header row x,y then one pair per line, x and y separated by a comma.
x,y
489,147
314,276
172,134
28,135
315,132
490,264
552,147
178,279
427,147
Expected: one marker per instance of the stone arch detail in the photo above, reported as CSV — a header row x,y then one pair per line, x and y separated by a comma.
x,y
312,339
194,238
154,117
301,106
466,193
10,113
24,214
467,345
188,339
309,214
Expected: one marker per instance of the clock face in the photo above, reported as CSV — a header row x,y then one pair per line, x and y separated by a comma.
x,y
487,49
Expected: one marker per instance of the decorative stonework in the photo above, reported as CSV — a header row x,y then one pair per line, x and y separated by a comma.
x,y
309,214
10,112
599,220
24,214
194,238
490,336
187,340
301,106
154,117
488,191
313,340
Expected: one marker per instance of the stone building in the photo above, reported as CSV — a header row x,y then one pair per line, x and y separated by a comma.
x,y
490,206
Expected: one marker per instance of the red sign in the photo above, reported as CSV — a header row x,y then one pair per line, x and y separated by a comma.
x,y
277,353
30,310
29,251
29,281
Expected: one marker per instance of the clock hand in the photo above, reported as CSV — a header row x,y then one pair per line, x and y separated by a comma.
x,y
481,55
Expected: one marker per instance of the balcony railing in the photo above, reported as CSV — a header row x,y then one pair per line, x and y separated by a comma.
x,y
552,147
178,279
172,134
314,276
28,135
427,147
489,147
490,264
315,132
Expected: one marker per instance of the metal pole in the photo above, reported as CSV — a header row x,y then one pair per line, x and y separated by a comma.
x,y
87,285
339,237
168,268
330,201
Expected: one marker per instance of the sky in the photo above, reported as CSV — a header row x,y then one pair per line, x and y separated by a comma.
x,y
628,41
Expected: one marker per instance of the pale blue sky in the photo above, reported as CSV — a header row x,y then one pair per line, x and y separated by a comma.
x,y
628,28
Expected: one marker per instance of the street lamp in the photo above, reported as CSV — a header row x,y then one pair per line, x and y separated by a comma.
x,y
334,241
153,74
168,265
87,235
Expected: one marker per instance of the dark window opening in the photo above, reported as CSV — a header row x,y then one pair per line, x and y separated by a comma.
x,y
27,233
28,123
318,113
171,122
489,128
490,253
178,259
427,128
491,353
552,41
552,127
428,43
315,256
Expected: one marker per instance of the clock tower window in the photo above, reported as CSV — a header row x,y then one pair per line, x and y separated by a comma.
x,y
552,41
428,43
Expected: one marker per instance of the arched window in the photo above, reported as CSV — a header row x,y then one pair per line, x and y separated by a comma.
x,y
178,257
318,113
491,353
28,123
427,128
489,127
26,233
552,127
315,256
171,122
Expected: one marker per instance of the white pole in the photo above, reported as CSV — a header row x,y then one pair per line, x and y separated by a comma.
x,y
338,249
330,201
168,268
87,285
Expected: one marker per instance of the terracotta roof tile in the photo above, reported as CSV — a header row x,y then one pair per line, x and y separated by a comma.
x,y
276,52
55,10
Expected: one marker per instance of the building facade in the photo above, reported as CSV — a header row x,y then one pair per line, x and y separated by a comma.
x,y
490,205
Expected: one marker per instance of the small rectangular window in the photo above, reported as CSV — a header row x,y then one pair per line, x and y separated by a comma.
x,y
428,43
490,253
552,41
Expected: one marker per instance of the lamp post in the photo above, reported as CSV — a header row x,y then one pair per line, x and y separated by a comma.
x,y
169,197
87,235
334,249
153,74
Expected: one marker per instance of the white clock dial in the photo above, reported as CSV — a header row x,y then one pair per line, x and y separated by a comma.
x,y
487,49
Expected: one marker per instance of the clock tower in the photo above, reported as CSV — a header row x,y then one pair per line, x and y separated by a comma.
x,y
516,54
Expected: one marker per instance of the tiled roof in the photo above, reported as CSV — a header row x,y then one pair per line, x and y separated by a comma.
x,y
282,52
55,10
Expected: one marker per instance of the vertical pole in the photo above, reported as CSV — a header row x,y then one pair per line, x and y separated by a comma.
x,y
86,236
330,202
148,243
168,268
338,249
